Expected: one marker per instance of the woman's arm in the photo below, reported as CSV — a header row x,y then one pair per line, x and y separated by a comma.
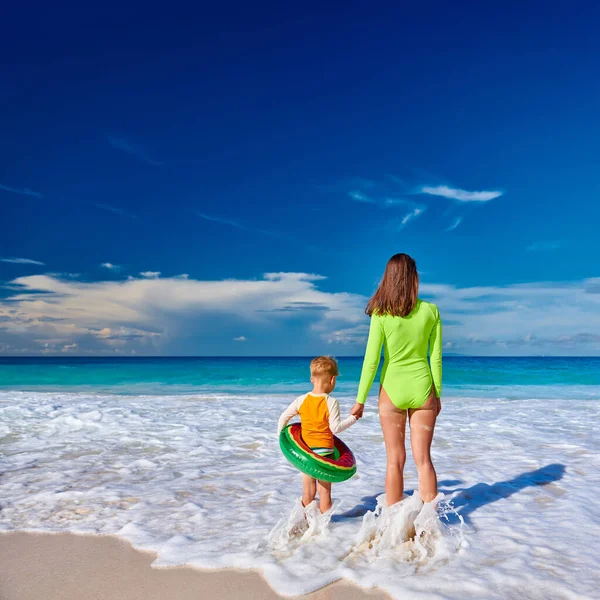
x,y
435,354
372,358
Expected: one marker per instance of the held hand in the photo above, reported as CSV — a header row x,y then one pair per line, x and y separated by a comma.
x,y
357,410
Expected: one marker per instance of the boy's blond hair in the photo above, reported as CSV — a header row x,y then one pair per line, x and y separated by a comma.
x,y
323,366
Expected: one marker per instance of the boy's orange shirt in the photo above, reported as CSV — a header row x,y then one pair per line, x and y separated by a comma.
x,y
314,415
320,418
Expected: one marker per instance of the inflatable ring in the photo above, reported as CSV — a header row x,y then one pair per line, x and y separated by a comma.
x,y
339,468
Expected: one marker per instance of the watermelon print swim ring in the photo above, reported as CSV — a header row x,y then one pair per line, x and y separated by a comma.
x,y
339,468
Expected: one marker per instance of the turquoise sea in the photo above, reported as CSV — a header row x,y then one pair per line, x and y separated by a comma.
x,y
511,378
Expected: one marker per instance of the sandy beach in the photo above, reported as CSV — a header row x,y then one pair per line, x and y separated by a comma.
x,y
71,567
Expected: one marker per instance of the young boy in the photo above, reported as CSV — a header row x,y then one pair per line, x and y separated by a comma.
x,y
320,417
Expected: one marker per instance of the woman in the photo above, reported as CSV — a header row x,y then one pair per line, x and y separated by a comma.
x,y
405,326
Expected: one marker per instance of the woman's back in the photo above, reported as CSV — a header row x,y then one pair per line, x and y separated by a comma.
x,y
407,338
406,375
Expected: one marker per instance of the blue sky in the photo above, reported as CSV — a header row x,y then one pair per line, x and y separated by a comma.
x,y
232,180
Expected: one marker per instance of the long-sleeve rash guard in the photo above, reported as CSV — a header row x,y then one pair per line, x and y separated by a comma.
x,y
320,417
406,375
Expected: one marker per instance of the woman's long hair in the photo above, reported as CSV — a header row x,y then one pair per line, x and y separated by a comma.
x,y
399,289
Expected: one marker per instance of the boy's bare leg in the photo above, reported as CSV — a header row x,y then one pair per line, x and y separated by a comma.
x,y
324,488
309,489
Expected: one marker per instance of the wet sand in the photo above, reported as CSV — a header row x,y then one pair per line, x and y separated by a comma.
x,y
65,566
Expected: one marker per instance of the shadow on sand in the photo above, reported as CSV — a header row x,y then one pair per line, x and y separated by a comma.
x,y
468,500
368,503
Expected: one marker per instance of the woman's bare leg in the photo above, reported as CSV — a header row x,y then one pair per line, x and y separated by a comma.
x,y
324,489
422,424
309,489
393,425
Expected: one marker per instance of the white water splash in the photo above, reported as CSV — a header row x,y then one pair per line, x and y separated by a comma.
x,y
299,527
408,534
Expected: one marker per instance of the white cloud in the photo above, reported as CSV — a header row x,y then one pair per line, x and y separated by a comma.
x,y
111,266
114,209
544,246
360,197
150,274
70,275
126,145
46,314
145,314
455,224
558,317
415,210
233,223
396,201
460,195
293,276
349,335
220,220
21,261
413,214
20,191
239,339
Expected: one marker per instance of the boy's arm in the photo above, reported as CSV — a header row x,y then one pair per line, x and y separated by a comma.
x,y
335,423
290,412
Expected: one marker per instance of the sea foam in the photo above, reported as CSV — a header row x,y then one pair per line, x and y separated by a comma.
x,y
200,480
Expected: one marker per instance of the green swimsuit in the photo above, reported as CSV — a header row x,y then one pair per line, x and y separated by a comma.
x,y
406,375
